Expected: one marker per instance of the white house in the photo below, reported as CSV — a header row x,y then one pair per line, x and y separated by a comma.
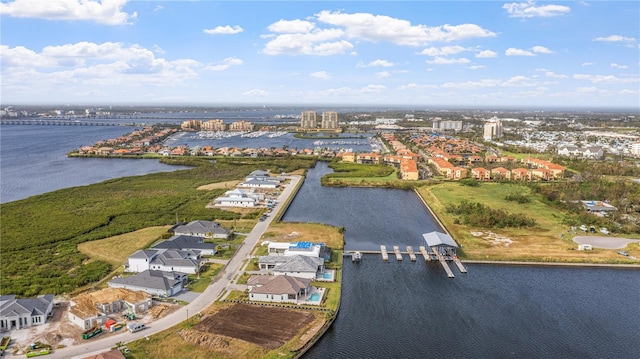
x,y
167,260
24,312
594,152
296,266
259,183
157,283
203,229
280,288
237,198
296,248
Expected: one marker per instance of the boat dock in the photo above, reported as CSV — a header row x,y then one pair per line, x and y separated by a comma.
x,y
456,260
396,250
385,255
356,256
423,251
443,261
412,254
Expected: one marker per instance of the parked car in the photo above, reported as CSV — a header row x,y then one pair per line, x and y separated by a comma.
x,y
623,253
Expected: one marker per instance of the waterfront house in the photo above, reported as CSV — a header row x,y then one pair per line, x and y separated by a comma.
x,y
308,249
92,309
18,313
236,198
440,242
280,288
409,170
153,282
203,229
297,266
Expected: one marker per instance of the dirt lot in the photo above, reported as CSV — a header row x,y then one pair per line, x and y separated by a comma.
x,y
59,332
268,327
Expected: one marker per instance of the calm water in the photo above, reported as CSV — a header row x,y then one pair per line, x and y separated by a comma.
x,y
412,310
33,159
390,310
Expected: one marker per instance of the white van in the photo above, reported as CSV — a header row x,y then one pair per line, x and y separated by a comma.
x,y
135,327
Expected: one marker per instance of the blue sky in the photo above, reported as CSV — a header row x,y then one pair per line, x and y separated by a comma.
x,y
420,53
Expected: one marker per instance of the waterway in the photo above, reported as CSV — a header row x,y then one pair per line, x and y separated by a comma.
x,y
395,309
412,310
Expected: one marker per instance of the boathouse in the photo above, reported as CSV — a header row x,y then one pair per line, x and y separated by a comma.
x,y
440,242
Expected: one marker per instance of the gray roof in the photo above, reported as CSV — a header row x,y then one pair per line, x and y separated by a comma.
x,y
153,279
144,253
10,307
259,173
182,242
200,227
176,258
439,239
279,284
300,264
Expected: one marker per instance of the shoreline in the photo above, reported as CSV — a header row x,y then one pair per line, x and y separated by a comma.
x,y
553,264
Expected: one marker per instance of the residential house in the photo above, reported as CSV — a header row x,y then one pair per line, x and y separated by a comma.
x,y
18,313
92,309
520,174
154,282
348,156
203,229
297,266
481,174
279,288
598,207
456,173
167,260
236,198
501,173
299,248
409,170
184,243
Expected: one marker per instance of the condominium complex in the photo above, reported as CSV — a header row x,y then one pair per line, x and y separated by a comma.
x,y
309,119
193,125
329,120
444,125
213,125
492,129
241,126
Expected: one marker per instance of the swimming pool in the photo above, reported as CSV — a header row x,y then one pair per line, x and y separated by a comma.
x,y
315,297
327,275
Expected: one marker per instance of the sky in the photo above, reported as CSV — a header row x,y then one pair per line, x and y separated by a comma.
x,y
532,54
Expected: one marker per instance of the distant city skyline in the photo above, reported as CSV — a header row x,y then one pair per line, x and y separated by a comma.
x,y
528,54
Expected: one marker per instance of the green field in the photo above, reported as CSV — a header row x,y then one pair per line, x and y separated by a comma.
x,y
548,241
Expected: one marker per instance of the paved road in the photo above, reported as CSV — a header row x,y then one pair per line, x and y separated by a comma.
x,y
199,304
604,242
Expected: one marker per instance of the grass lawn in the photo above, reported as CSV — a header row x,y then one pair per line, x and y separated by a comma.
x,y
200,284
549,241
115,250
307,232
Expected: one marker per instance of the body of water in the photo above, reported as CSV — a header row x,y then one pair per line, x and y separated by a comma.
x,y
396,309
413,310
33,159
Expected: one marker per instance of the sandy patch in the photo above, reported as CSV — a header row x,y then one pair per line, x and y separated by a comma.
x,y
493,238
605,242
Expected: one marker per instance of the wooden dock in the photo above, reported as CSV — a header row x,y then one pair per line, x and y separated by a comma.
x,y
443,261
383,250
456,260
396,250
425,254
412,254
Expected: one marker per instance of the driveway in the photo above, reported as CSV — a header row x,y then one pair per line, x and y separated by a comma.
x,y
186,296
604,242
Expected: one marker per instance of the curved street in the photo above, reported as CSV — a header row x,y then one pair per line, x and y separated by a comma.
x,y
213,291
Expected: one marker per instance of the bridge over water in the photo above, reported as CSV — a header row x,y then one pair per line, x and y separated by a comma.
x,y
62,122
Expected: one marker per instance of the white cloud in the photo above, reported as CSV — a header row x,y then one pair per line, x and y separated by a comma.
x,y
615,38
223,30
108,12
415,86
321,75
317,42
225,64
87,64
256,93
472,84
448,61
383,74
519,81
588,63
605,78
475,67
541,50
291,26
158,8
375,28
529,9
485,54
442,51
614,65
376,63
512,51
373,89
554,75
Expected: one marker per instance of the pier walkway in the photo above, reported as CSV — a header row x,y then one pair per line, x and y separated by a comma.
x,y
412,254
396,250
443,261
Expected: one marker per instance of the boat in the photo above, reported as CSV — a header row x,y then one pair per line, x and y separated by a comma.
x,y
356,256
